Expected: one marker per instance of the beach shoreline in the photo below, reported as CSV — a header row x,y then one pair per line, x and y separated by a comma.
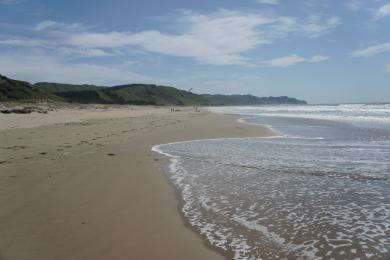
x,y
86,185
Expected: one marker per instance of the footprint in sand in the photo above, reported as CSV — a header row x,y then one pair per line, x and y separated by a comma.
x,y
68,146
83,142
15,147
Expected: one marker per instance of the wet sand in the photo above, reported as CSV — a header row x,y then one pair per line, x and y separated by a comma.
x,y
83,183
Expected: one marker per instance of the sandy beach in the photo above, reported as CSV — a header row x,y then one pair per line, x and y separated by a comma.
x,y
83,183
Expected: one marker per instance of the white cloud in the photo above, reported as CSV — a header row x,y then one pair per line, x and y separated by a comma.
x,y
219,38
314,27
75,52
53,69
53,25
23,42
294,59
268,2
224,37
80,52
45,25
317,58
372,50
355,5
216,39
370,7
382,11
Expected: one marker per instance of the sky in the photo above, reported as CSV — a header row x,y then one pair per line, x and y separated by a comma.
x,y
322,51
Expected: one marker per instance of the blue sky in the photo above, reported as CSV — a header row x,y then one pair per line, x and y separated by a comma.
x,y
321,51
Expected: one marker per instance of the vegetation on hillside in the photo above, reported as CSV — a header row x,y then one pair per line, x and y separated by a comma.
x,y
59,87
137,94
16,90
240,100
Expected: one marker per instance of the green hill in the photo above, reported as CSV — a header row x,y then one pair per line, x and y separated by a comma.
x,y
152,95
58,87
240,100
16,90
136,94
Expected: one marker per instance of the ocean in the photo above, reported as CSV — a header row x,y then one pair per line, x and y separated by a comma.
x,y
320,190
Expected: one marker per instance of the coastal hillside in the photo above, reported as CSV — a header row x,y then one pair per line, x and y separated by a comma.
x,y
59,87
137,94
146,94
16,90
241,100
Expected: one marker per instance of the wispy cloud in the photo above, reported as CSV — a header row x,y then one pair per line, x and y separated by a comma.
x,y
22,42
30,67
294,59
382,11
71,52
372,50
356,5
80,52
317,25
47,45
53,25
10,2
268,2
387,68
219,38
377,9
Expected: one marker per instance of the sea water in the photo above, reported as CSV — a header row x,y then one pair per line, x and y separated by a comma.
x,y
321,190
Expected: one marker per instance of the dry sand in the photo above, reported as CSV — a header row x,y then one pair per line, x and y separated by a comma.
x,y
82,183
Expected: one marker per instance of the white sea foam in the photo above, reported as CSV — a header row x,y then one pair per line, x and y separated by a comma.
x,y
348,113
289,196
226,186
